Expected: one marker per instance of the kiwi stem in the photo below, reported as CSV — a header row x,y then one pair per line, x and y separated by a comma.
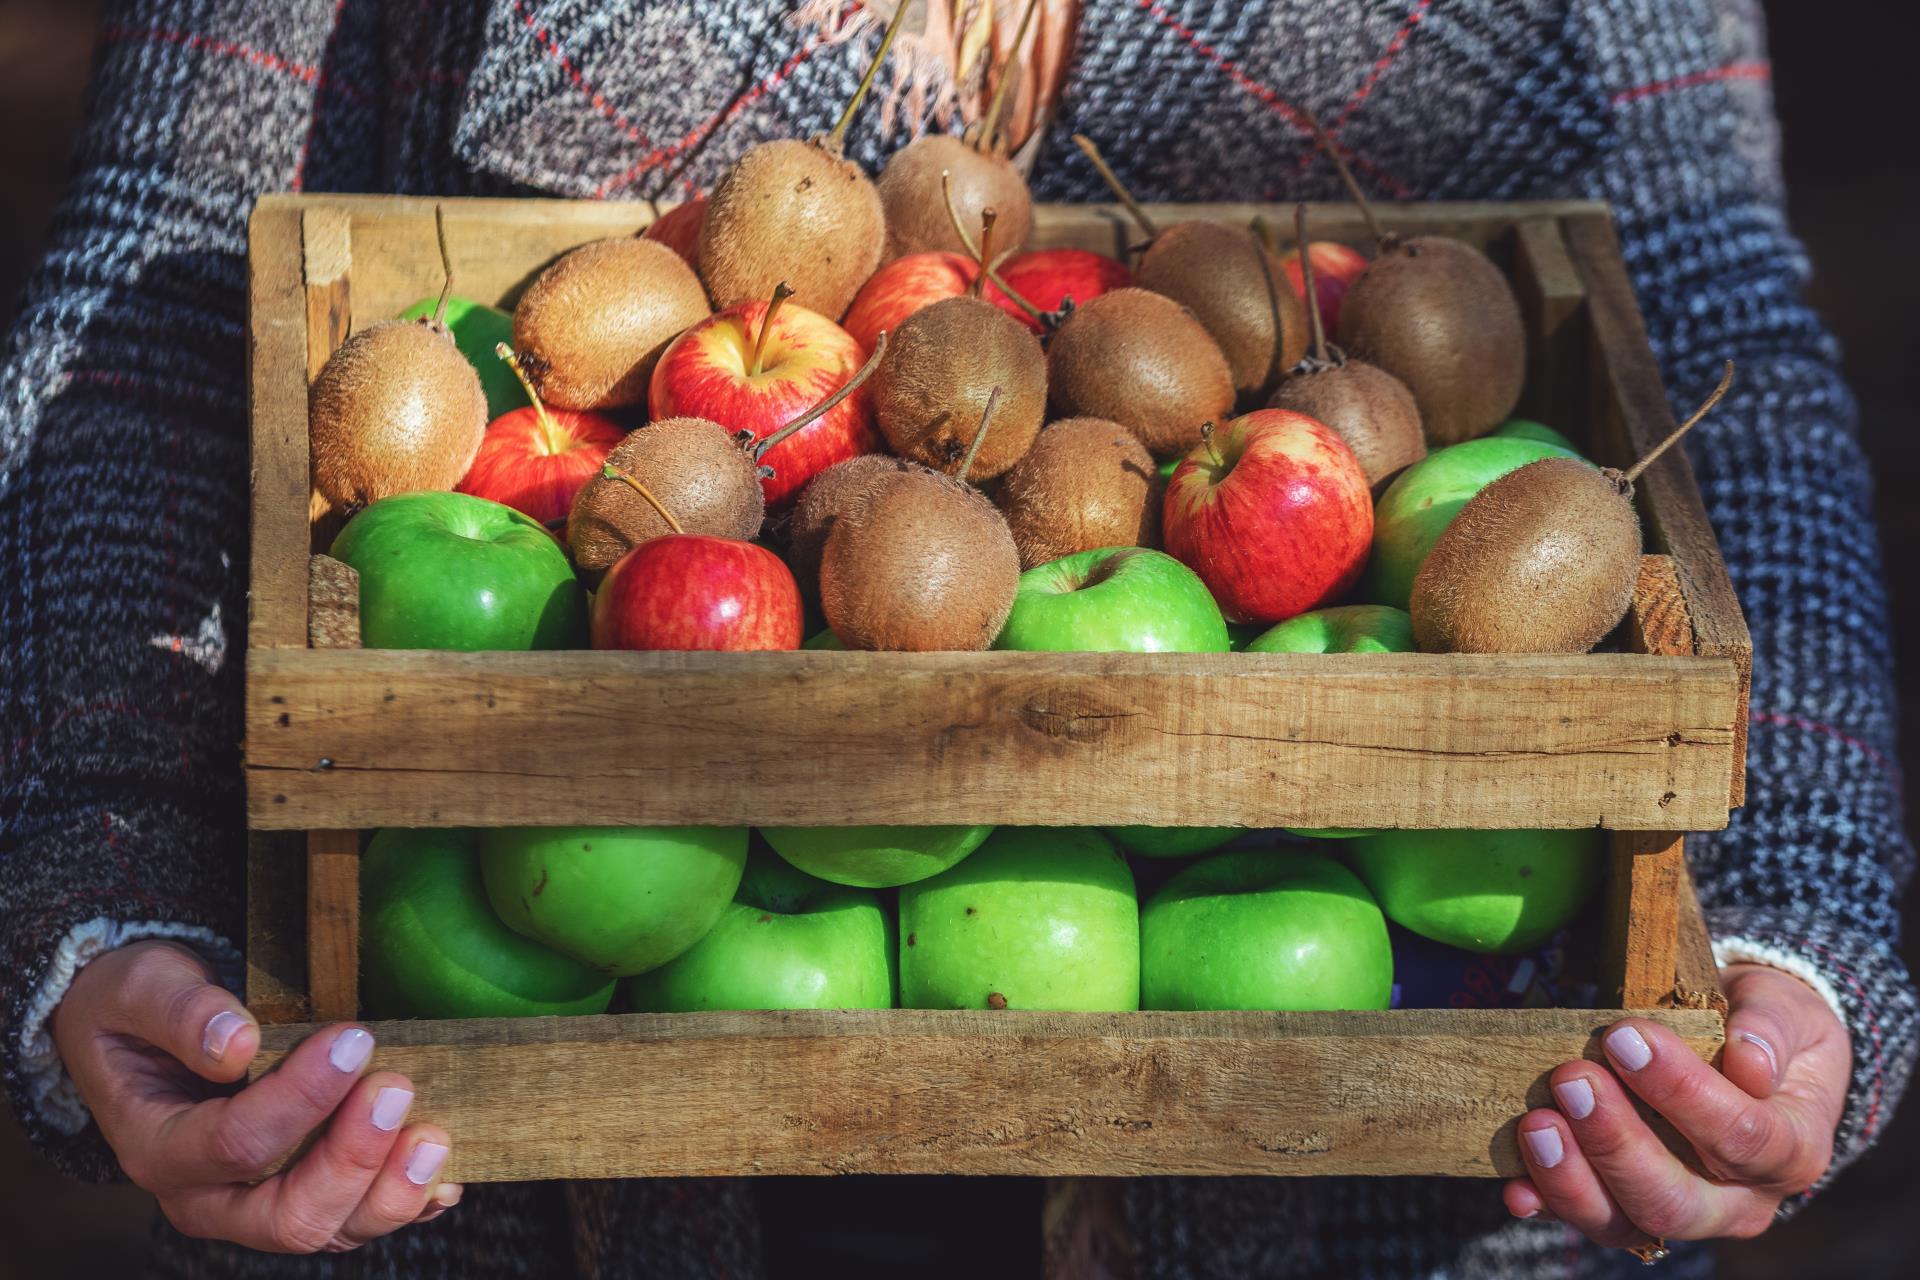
x,y
837,139
979,435
966,240
1719,393
1213,451
548,427
1264,229
781,292
612,472
1120,192
990,124
844,390
984,253
446,265
1385,239
1306,284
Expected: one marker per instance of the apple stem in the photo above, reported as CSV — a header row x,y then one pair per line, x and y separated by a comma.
x,y
844,390
781,292
979,435
1385,239
1316,325
837,139
990,124
446,266
1206,438
1114,184
960,229
612,472
548,427
1719,393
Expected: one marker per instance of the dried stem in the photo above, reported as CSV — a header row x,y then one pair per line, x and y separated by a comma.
x,y
837,139
1114,184
446,265
1213,450
983,255
973,251
990,124
1719,393
1312,298
979,435
612,472
844,390
548,427
781,292
1386,239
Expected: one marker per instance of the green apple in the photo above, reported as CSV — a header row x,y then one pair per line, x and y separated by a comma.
x,y
786,941
1418,506
1528,429
874,857
621,899
1115,599
1242,634
1352,628
1498,891
1172,842
824,639
1264,930
432,947
452,571
1327,833
1036,918
477,330
1167,468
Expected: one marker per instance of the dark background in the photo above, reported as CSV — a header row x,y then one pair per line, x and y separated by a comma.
x,y
1844,89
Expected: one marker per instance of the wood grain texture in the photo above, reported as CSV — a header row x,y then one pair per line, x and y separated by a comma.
x,y
333,924
277,358
1630,414
454,739
920,1091
333,604
326,244
276,950
1553,302
1646,872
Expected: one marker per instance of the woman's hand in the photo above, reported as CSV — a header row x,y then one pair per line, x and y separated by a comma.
x,y
1762,1125
149,1040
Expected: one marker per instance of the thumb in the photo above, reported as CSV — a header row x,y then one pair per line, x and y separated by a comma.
x,y
1766,1026
169,999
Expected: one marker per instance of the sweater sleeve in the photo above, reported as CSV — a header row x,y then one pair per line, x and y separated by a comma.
x,y
123,522
1808,875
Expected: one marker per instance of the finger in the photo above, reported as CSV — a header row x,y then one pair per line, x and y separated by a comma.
x,y
445,1196
1738,1137
1567,1184
403,1191
172,1003
238,1138
1658,1194
1523,1200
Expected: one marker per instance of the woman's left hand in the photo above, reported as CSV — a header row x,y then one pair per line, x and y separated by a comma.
x,y
1762,1125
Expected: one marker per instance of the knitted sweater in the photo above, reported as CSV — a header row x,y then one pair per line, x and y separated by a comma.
x,y
123,474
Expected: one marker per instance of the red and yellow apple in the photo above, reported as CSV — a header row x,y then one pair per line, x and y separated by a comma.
x,y
679,229
1335,268
696,591
1048,277
1273,513
536,460
903,287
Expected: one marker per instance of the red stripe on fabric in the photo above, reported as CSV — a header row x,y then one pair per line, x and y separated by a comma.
x,y
1713,75
1873,1033
1380,66
1865,748
592,95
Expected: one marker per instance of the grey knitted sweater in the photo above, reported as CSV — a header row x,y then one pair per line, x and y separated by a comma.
x,y
123,475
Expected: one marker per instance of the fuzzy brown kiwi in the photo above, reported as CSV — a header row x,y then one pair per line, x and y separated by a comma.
x,y
1142,360
590,328
396,408
1085,483
1365,405
822,501
910,192
698,470
933,385
1543,560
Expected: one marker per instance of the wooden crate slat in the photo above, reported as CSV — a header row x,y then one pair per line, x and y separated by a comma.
x,y
277,402
333,924
922,1091
276,956
1553,301
451,739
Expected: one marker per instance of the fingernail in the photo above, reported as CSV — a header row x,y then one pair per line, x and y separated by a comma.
x,y
390,1107
1544,1146
220,1030
1531,1213
1773,1059
425,1162
1629,1048
1576,1097
351,1049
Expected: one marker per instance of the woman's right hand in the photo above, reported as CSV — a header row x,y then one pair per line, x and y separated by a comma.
x,y
150,1040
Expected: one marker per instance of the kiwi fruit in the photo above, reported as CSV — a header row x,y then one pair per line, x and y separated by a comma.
x,y
921,563
822,501
1142,360
917,220
1086,483
934,384
591,326
702,480
1239,292
397,407
1543,560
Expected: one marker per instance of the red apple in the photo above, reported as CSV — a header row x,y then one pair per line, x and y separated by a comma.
x,y
903,287
679,229
1335,268
1273,513
713,371
696,591
1048,277
536,459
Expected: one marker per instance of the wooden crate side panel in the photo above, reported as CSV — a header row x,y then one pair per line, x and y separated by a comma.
x,y
277,357
447,739
911,1091
276,974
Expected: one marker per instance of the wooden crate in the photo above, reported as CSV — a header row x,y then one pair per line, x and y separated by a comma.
x,y
1647,742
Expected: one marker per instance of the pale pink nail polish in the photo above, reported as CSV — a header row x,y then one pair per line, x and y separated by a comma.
x,y
351,1049
425,1162
1575,1097
1544,1146
1629,1048
1773,1059
390,1107
220,1031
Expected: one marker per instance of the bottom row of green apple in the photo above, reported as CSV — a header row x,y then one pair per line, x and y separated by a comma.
x,y
545,920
